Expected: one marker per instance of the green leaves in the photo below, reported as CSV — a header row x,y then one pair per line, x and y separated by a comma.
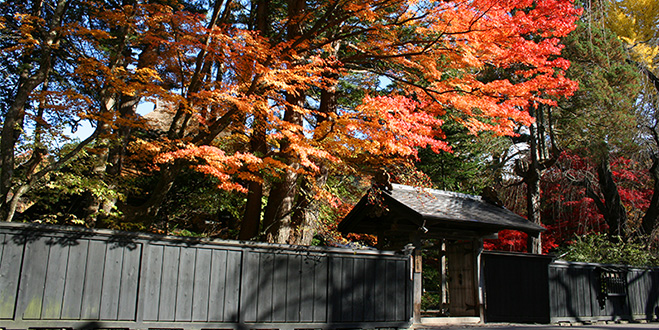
x,y
600,248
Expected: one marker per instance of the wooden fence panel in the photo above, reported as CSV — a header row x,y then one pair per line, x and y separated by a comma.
x,y
33,280
320,269
11,257
58,277
233,284
95,268
643,293
75,275
574,291
517,287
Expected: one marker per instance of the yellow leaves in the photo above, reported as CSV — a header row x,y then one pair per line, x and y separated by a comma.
x,y
635,22
642,52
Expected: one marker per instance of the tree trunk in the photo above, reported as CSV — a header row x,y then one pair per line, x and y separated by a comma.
x,y
614,212
534,243
649,222
531,171
116,152
14,117
277,218
306,218
249,227
110,101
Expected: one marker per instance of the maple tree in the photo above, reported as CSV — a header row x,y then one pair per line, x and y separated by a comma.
x,y
74,63
595,122
391,126
571,211
274,98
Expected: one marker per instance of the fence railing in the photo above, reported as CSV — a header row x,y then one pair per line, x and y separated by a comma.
x,y
531,288
59,277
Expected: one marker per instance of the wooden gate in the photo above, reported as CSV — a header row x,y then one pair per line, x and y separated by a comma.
x,y
462,278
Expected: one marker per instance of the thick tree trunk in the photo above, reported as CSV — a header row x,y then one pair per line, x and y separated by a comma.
x,y
614,212
277,218
278,213
110,101
306,218
649,222
534,243
113,156
249,227
531,171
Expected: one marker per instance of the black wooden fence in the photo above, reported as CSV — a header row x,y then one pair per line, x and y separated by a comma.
x,y
59,277
532,288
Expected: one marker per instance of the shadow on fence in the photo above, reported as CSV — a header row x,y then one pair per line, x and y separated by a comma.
x,y
566,292
59,277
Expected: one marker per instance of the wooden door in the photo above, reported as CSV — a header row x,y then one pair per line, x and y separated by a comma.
x,y
463,287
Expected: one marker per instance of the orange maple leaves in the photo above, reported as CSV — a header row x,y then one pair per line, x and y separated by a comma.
x,y
435,52
230,77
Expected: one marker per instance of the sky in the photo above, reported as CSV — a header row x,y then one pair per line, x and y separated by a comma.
x,y
85,128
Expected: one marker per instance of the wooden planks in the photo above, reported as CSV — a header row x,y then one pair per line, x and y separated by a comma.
x,y
187,284
11,257
643,292
368,290
80,279
72,279
92,288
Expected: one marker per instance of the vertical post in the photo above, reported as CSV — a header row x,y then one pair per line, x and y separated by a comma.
x,y
445,297
480,279
534,243
418,280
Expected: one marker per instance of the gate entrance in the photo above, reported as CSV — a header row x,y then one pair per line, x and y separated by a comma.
x,y
450,279
449,228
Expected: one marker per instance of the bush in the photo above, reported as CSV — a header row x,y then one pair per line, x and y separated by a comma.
x,y
600,248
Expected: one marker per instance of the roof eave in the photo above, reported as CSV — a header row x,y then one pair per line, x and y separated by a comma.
x,y
531,228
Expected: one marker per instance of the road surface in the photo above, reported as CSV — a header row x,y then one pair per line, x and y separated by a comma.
x,y
498,326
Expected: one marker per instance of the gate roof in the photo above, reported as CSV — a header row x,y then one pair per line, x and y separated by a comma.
x,y
403,209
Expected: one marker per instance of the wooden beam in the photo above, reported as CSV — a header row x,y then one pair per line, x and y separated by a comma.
x,y
418,280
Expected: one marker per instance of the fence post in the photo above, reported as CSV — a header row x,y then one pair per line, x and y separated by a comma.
x,y
418,280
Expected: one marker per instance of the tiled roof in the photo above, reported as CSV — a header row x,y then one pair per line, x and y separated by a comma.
x,y
451,206
441,210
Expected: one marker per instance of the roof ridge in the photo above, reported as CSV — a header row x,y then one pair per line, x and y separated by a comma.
x,y
438,191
